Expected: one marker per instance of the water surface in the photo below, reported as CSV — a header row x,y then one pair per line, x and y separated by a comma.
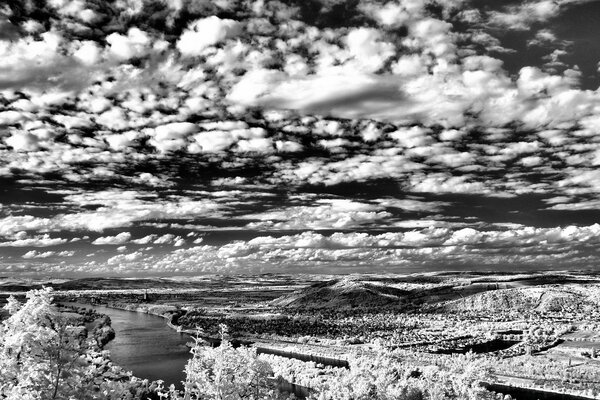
x,y
145,345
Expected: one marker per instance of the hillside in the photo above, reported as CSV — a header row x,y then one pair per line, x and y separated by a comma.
x,y
545,298
342,293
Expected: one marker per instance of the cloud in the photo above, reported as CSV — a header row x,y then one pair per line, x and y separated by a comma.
x,y
144,240
121,238
114,209
175,130
170,137
135,44
88,53
22,141
329,214
495,247
345,94
247,140
206,32
412,205
47,254
12,117
35,254
11,225
543,37
39,64
522,16
166,239
125,258
366,46
445,183
21,239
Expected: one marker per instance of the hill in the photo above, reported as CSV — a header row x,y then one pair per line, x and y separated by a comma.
x,y
342,293
544,298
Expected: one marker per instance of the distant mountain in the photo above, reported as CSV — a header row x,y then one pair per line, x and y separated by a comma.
x,y
95,284
342,293
111,283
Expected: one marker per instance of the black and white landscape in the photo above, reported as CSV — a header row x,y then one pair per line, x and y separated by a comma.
x,y
348,199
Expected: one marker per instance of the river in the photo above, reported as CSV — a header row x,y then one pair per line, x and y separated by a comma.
x,y
145,345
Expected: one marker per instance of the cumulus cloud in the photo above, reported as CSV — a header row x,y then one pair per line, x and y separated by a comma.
x,y
121,238
124,47
334,213
125,258
170,137
39,64
206,32
115,209
88,53
35,254
22,141
46,254
366,46
247,139
22,240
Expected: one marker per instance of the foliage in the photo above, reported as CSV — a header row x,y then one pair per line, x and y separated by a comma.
x,y
41,353
227,373
44,356
381,377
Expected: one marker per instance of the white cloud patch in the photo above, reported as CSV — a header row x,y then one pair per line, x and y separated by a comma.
x,y
22,141
206,32
47,254
22,240
35,254
328,214
125,258
124,47
116,209
369,51
88,53
522,16
121,238
39,64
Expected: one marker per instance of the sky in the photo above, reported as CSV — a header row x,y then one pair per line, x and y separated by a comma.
x,y
177,138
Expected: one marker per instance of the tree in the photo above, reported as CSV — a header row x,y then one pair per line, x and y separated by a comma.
x,y
41,354
226,373
380,377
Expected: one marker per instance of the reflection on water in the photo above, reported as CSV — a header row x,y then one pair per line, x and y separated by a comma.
x,y
478,348
145,345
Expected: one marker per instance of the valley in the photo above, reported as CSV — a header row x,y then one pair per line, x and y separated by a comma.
x,y
539,331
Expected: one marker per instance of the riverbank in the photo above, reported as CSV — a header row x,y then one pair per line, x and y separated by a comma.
x,y
145,345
